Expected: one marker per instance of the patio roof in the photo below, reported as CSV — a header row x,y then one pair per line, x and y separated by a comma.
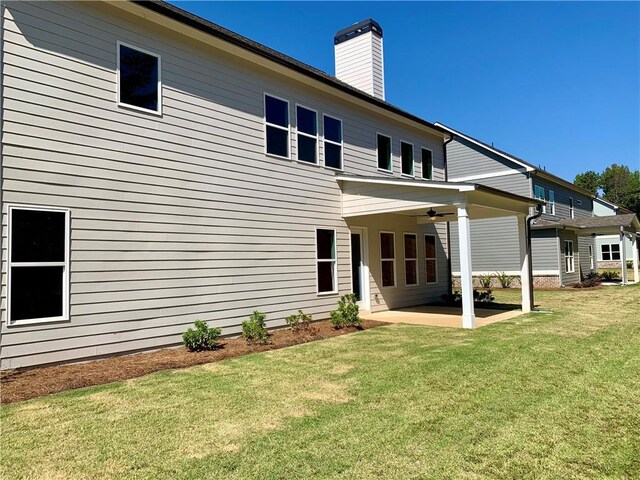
x,y
607,225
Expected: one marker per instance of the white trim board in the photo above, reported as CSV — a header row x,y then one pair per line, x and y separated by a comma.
x,y
515,273
488,175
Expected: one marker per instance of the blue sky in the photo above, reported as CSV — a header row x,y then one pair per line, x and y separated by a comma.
x,y
555,83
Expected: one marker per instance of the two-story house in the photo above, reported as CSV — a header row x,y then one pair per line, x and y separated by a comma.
x,y
158,169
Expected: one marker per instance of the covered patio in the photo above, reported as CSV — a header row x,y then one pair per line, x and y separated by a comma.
x,y
437,316
437,202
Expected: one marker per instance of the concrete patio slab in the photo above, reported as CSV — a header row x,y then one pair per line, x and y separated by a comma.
x,y
434,316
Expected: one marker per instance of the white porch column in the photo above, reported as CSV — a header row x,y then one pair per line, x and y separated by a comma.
x,y
623,258
466,271
525,271
634,250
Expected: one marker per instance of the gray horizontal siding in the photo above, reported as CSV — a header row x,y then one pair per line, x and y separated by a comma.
x,y
465,158
544,250
569,278
561,195
585,261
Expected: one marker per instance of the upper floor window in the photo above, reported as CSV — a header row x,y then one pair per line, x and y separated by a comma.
x,y
572,213
538,192
139,84
552,202
307,130
427,164
406,153
276,114
384,153
332,142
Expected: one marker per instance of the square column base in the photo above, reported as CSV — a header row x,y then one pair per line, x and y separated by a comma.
x,y
468,321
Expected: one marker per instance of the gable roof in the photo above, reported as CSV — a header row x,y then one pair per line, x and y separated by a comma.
x,y
199,23
623,220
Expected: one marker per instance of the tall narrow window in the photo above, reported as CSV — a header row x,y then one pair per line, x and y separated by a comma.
x,y
307,138
139,83
430,258
406,153
410,259
276,114
384,153
388,259
571,209
38,264
326,261
591,262
552,202
539,194
568,257
427,164
332,142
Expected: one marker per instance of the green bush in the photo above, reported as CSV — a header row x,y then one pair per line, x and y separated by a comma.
x,y
455,298
629,263
505,280
609,275
485,280
347,313
254,329
299,320
202,338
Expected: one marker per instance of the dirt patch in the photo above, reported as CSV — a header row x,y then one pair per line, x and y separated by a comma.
x,y
22,384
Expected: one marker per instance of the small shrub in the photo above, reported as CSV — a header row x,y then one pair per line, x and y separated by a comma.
x,y
485,280
299,321
629,263
202,338
347,313
505,280
254,329
483,297
609,275
455,298
591,280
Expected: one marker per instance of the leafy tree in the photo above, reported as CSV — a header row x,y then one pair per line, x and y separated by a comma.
x,y
621,186
589,180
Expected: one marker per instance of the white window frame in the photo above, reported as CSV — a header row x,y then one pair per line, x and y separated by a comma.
x,y
390,152
410,259
569,260
413,160
591,258
610,252
341,144
552,202
334,261
435,259
572,210
382,260
280,127
539,194
298,133
422,163
65,265
134,107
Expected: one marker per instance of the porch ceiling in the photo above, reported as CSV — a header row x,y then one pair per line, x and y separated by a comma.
x,y
363,196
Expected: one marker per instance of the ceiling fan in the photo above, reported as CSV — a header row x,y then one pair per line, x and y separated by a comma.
x,y
433,215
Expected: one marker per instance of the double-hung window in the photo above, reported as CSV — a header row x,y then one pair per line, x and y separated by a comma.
x,y
332,128
538,192
610,251
326,262
139,83
38,264
552,202
568,257
307,130
276,115
384,153
410,259
388,258
572,213
430,258
406,154
427,164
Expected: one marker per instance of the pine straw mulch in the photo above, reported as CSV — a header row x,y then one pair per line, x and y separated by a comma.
x,y
23,384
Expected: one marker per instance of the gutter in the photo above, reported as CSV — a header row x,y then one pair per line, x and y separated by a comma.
x,y
531,218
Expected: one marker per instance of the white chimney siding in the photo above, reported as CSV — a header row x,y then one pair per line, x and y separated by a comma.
x,y
359,57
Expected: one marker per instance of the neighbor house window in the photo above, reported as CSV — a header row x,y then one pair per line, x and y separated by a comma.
x,y
410,259
38,264
384,153
568,257
332,142
406,154
427,164
307,139
539,194
571,209
276,114
388,259
610,251
139,84
591,262
552,202
326,260
430,258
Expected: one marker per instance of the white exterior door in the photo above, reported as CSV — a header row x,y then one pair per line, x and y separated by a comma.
x,y
360,267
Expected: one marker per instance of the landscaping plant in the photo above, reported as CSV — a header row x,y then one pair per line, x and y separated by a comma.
x,y
299,321
347,313
254,329
609,275
505,280
485,280
202,338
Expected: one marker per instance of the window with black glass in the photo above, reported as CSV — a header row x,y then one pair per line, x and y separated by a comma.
x,y
388,259
427,164
307,138
276,114
326,260
332,142
37,264
138,79
406,154
384,153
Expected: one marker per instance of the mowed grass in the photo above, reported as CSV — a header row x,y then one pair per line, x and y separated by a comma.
x,y
540,396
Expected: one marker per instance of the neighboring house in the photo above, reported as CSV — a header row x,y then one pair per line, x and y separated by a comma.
x,y
607,247
563,250
158,169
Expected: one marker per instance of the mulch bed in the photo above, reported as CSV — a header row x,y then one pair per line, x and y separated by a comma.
x,y
23,384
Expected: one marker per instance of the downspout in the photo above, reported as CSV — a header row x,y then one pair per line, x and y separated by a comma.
x,y
446,179
530,218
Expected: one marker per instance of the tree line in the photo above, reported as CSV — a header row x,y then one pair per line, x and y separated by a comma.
x,y
616,184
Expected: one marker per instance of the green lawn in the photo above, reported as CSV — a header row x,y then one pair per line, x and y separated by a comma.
x,y
541,396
